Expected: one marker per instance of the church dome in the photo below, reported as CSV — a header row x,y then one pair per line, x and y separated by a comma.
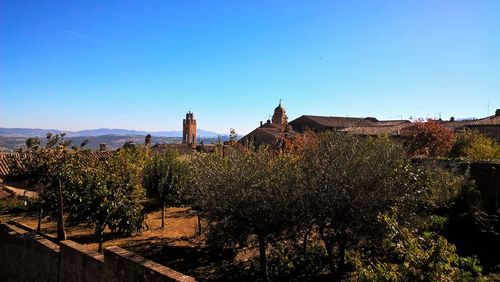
x,y
279,115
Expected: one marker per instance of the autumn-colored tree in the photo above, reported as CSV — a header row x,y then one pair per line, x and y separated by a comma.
x,y
428,138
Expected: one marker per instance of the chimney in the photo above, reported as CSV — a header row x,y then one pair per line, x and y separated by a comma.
x,y
497,112
260,123
147,141
102,147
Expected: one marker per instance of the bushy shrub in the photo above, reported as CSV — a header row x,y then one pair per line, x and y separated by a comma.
x,y
474,145
411,255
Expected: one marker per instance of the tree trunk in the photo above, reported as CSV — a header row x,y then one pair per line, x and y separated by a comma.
x,y
100,234
163,216
262,256
306,236
39,226
199,223
342,250
329,249
331,260
61,233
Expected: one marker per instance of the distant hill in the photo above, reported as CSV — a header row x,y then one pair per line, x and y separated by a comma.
x,y
25,132
113,142
33,132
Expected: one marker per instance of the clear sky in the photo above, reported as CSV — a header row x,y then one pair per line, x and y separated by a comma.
x,y
141,65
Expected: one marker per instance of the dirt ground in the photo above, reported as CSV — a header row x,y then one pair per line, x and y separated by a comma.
x,y
177,245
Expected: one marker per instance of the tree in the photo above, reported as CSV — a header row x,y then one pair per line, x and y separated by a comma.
x,y
162,176
349,181
233,136
47,168
416,256
244,194
109,194
428,138
475,146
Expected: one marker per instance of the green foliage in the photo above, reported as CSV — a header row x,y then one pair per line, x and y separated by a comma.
x,y
233,136
101,193
163,173
244,193
413,256
108,194
474,145
334,184
10,204
163,176
437,187
295,265
348,182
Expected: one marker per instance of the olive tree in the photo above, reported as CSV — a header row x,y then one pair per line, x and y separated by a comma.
x,y
350,180
245,194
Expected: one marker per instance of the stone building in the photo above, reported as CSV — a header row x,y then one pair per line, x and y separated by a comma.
x,y
189,129
490,125
271,132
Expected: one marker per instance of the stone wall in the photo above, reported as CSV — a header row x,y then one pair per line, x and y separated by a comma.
x,y
78,264
126,266
27,257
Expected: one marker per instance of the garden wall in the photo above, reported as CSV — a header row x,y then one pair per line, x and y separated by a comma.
x,y
27,256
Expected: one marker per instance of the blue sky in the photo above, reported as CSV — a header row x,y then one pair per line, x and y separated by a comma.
x,y
141,65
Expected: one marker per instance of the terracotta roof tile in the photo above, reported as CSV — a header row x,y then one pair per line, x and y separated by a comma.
x,y
266,135
391,130
487,121
183,149
7,158
336,122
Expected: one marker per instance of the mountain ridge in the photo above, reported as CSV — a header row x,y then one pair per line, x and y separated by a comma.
x,y
37,132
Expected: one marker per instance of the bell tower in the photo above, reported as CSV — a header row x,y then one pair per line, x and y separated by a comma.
x,y
189,129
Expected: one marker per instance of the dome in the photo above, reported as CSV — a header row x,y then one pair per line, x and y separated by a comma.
x,y
279,115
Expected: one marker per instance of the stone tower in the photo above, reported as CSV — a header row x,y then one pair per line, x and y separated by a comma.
x,y
189,129
279,116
